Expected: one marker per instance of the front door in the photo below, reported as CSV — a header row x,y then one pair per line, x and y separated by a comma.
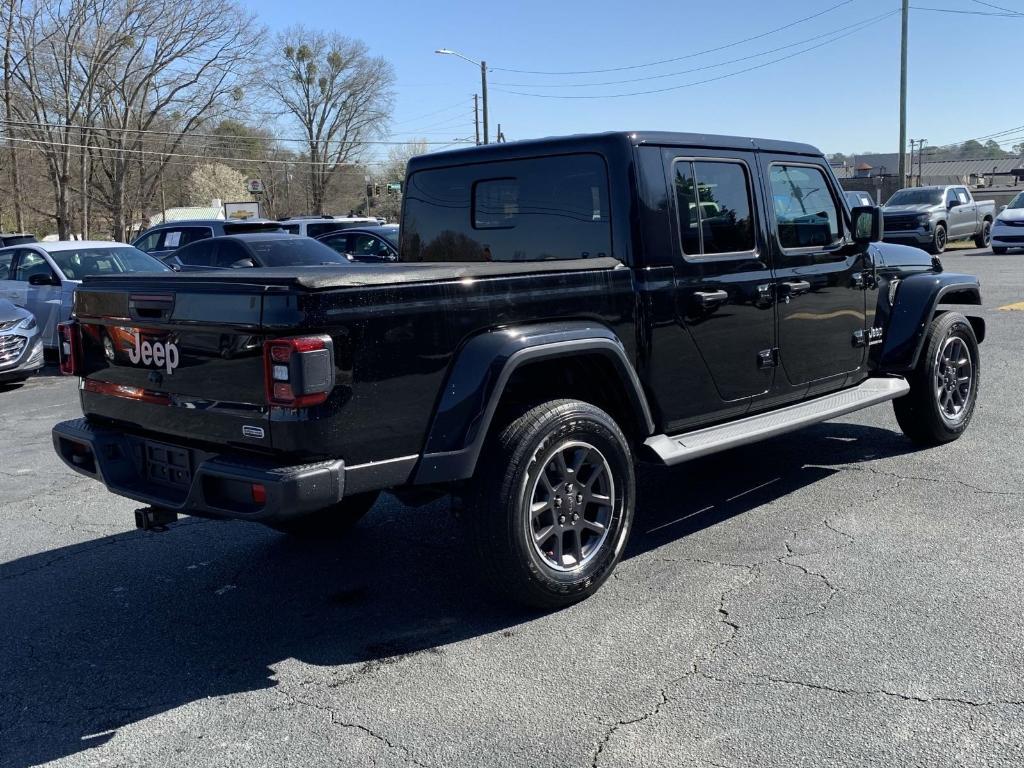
x,y
722,273
962,216
43,301
820,276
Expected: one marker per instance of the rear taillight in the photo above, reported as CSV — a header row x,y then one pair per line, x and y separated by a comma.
x,y
298,372
69,337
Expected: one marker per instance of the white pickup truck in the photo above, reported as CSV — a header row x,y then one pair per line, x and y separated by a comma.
x,y
931,217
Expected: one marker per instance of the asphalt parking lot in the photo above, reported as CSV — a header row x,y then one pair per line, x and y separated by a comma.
x,y
832,597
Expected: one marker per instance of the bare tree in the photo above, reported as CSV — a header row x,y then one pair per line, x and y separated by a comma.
x,y
57,51
337,94
188,65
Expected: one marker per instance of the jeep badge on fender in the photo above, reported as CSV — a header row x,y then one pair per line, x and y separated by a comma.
x,y
156,353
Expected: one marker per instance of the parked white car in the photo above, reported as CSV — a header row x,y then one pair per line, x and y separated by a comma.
x,y
1008,229
42,277
315,226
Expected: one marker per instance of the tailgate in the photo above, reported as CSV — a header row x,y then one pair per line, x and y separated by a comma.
x,y
181,359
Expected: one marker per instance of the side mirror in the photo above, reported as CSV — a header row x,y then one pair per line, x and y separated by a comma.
x,y
952,204
868,226
1002,208
245,263
43,280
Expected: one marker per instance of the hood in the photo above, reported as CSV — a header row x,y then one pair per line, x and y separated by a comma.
x,y
915,208
1012,214
10,313
896,255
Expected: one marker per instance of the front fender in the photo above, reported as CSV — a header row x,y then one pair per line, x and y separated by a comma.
x,y
478,377
917,299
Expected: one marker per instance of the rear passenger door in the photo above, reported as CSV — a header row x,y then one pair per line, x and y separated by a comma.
x,y
723,280
820,277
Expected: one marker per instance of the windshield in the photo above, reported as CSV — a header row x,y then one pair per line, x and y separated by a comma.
x,y
85,262
922,196
298,252
1017,202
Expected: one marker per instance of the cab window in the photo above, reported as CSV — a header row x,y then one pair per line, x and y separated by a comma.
x,y
5,265
534,209
29,264
806,215
713,206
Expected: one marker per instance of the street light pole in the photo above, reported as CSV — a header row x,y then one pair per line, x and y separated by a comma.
x,y
483,81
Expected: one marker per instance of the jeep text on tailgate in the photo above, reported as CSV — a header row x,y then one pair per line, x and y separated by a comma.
x,y
561,310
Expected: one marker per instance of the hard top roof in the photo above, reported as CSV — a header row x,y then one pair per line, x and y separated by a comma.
x,y
609,140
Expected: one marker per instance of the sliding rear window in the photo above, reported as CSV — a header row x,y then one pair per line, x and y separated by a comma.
x,y
521,210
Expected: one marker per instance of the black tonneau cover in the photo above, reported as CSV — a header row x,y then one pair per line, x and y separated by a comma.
x,y
358,275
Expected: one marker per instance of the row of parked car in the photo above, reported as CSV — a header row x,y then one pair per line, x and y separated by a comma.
x,y
932,217
38,279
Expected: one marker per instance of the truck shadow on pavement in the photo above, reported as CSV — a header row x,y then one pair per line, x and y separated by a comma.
x,y
115,629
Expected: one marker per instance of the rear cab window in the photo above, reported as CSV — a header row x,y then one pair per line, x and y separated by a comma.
x,y
535,209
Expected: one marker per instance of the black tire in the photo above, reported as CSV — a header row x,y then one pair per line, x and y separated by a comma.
x,y
939,239
330,522
983,238
998,251
520,464
926,414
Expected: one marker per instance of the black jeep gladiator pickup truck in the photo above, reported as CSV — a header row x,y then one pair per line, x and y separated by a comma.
x,y
561,309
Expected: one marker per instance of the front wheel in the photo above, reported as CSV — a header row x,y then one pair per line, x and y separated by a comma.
x,y
983,238
551,504
944,386
938,244
330,522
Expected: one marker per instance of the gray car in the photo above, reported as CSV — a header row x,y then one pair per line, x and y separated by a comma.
x,y
42,277
21,347
931,217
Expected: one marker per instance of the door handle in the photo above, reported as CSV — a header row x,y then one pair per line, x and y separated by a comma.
x,y
795,287
708,299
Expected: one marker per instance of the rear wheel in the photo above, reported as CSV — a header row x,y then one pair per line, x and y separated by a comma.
x,y
944,386
332,521
983,238
551,504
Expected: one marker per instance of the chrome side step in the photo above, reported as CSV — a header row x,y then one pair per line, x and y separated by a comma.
x,y
674,449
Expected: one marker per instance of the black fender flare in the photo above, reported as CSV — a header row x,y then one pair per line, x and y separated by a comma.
x,y
477,379
917,301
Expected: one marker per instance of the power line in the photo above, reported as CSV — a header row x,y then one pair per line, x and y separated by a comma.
x,y
838,30
675,58
182,154
101,129
966,13
707,80
459,103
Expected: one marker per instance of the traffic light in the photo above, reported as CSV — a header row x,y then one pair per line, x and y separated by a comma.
x,y
376,190
369,190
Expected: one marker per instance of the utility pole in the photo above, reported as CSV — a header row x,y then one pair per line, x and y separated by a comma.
x,y
483,92
476,117
920,161
903,93
912,184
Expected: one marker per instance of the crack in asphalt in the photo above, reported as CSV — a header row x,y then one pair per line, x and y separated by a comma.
x,y
336,720
766,680
596,756
912,478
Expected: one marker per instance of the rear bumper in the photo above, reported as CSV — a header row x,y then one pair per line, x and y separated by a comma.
x,y
204,483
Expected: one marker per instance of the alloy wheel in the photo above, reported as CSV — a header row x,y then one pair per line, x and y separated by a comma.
x,y
954,378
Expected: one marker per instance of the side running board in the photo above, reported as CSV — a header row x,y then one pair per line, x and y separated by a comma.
x,y
674,449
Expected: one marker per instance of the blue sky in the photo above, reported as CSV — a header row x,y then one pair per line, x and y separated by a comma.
x,y
840,96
